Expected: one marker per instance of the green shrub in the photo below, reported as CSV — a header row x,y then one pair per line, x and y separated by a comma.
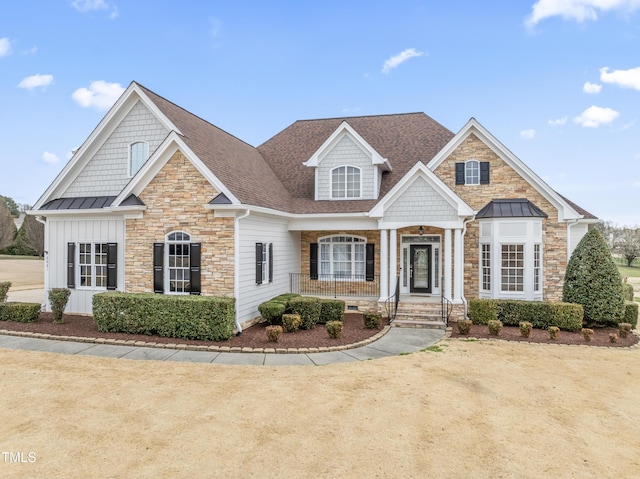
x,y
587,334
332,310
627,291
525,328
19,312
308,308
4,289
481,311
291,322
206,318
272,311
495,327
624,329
554,331
372,320
567,316
630,313
592,280
464,326
334,328
273,333
58,298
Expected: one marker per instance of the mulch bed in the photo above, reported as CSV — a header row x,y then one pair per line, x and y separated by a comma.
x,y
253,337
512,333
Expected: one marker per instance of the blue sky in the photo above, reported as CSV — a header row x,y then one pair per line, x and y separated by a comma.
x,y
556,81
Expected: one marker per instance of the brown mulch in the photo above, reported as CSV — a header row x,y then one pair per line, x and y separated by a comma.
x,y
253,337
512,333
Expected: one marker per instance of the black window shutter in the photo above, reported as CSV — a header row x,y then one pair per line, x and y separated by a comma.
x,y
258,263
71,265
112,266
313,261
370,262
158,267
484,172
194,268
459,173
270,262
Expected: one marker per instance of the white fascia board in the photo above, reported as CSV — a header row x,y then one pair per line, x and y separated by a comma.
x,y
334,223
161,156
346,129
419,170
98,136
565,211
244,208
393,225
100,213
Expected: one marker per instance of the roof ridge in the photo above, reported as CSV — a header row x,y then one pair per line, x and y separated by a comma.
x,y
362,116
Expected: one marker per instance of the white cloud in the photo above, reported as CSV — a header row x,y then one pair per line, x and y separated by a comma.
x,y
578,10
624,78
528,134
100,95
50,158
558,121
35,81
85,6
594,116
401,57
5,47
591,88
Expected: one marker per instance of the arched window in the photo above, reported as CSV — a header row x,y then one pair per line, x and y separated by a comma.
x,y
345,182
178,262
138,154
472,172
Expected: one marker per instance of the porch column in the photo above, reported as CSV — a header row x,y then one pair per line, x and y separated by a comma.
x,y
384,265
446,287
393,260
458,265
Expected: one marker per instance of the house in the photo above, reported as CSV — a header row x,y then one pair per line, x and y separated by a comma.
x,y
159,200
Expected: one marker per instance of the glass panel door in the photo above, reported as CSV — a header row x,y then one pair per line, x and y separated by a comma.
x,y
420,269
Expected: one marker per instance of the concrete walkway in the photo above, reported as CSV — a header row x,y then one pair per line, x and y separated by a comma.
x,y
396,341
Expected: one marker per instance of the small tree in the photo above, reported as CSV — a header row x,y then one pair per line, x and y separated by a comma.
x,y
628,244
58,297
7,226
592,280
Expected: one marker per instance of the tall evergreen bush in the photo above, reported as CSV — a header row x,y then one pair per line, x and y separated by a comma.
x,y
592,280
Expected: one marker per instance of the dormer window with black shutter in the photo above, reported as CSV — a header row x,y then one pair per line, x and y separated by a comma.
x,y
472,172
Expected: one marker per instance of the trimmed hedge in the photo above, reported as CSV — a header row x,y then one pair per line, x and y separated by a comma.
x,y
20,312
541,314
627,291
331,310
630,313
207,318
309,309
272,311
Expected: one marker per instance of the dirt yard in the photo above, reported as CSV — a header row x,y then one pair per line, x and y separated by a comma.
x,y
24,273
483,409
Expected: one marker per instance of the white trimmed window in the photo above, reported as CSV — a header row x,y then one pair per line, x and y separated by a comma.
x,y
472,172
486,266
345,182
138,155
342,256
512,272
92,265
537,268
178,262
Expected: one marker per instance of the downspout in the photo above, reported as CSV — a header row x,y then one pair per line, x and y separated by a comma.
x,y
464,300
43,220
236,264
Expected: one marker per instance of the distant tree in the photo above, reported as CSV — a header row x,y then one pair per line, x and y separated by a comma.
x,y
7,226
628,244
12,205
30,239
592,280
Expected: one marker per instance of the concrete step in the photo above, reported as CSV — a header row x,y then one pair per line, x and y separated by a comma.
x,y
406,323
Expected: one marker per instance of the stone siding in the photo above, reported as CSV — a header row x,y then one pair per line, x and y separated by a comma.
x,y
175,201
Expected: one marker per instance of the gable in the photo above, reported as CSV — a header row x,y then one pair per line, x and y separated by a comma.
x,y
420,203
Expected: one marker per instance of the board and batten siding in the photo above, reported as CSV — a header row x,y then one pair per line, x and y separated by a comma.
x,y
85,230
420,203
107,173
576,233
286,259
346,153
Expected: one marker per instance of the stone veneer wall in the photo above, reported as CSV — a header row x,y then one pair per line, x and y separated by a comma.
x,y
175,201
505,183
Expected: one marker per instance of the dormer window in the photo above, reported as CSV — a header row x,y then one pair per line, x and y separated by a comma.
x,y
138,154
345,182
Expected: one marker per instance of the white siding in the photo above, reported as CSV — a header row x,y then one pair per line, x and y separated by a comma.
x,y
89,230
576,233
107,172
420,203
346,153
286,259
